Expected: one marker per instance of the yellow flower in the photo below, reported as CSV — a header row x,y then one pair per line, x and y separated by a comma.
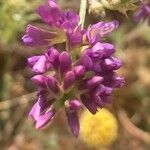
x,y
99,129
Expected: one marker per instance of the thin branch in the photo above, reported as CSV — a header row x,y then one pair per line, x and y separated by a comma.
x,y
17,101
132,129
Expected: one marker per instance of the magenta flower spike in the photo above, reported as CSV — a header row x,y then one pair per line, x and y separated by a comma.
x,y
81,75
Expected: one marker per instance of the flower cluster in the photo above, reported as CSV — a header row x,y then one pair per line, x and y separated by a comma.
x,y
143,13
98,130
82,74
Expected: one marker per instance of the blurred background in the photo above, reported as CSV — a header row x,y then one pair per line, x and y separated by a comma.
x,y
131,104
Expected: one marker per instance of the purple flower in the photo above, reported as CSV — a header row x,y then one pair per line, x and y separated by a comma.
x,y
52,84
72,108
44,119
94,82
63,27
79,71
143,13
100,51
68,84
75,36
39,80
73,122
69,79
99,30
69,20
111,79
52,56
40,114
50,13
54,16
112,63
39,64
86,61
82,74
38,37
89,104
73,105
65,62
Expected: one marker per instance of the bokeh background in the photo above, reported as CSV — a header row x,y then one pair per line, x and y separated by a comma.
x,y
131,104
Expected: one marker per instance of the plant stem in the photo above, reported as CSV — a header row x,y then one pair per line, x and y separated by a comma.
x,y
82,12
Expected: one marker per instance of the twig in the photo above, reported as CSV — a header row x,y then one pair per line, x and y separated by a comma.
x,y
82,12
17,101
132,129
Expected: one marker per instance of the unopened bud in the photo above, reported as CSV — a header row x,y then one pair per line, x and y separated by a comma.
x,y
120,5
97,9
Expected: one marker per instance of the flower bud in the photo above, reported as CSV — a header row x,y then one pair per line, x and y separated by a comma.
x,y
112,63
39,64
97,9
52,84
89,104
39,80
101,50
86,61
69,79
65,62
73,105
120,5
79,70
95,81
73,122
44,119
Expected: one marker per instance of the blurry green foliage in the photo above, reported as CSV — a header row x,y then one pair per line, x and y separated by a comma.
x,y
14,15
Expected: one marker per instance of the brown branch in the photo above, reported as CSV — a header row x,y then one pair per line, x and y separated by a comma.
x,y
17,101
132,129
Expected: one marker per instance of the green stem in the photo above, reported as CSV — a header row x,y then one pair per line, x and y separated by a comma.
x,y
82,12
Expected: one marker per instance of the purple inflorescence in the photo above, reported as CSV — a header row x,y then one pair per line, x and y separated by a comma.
x,y
143,13
82,74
